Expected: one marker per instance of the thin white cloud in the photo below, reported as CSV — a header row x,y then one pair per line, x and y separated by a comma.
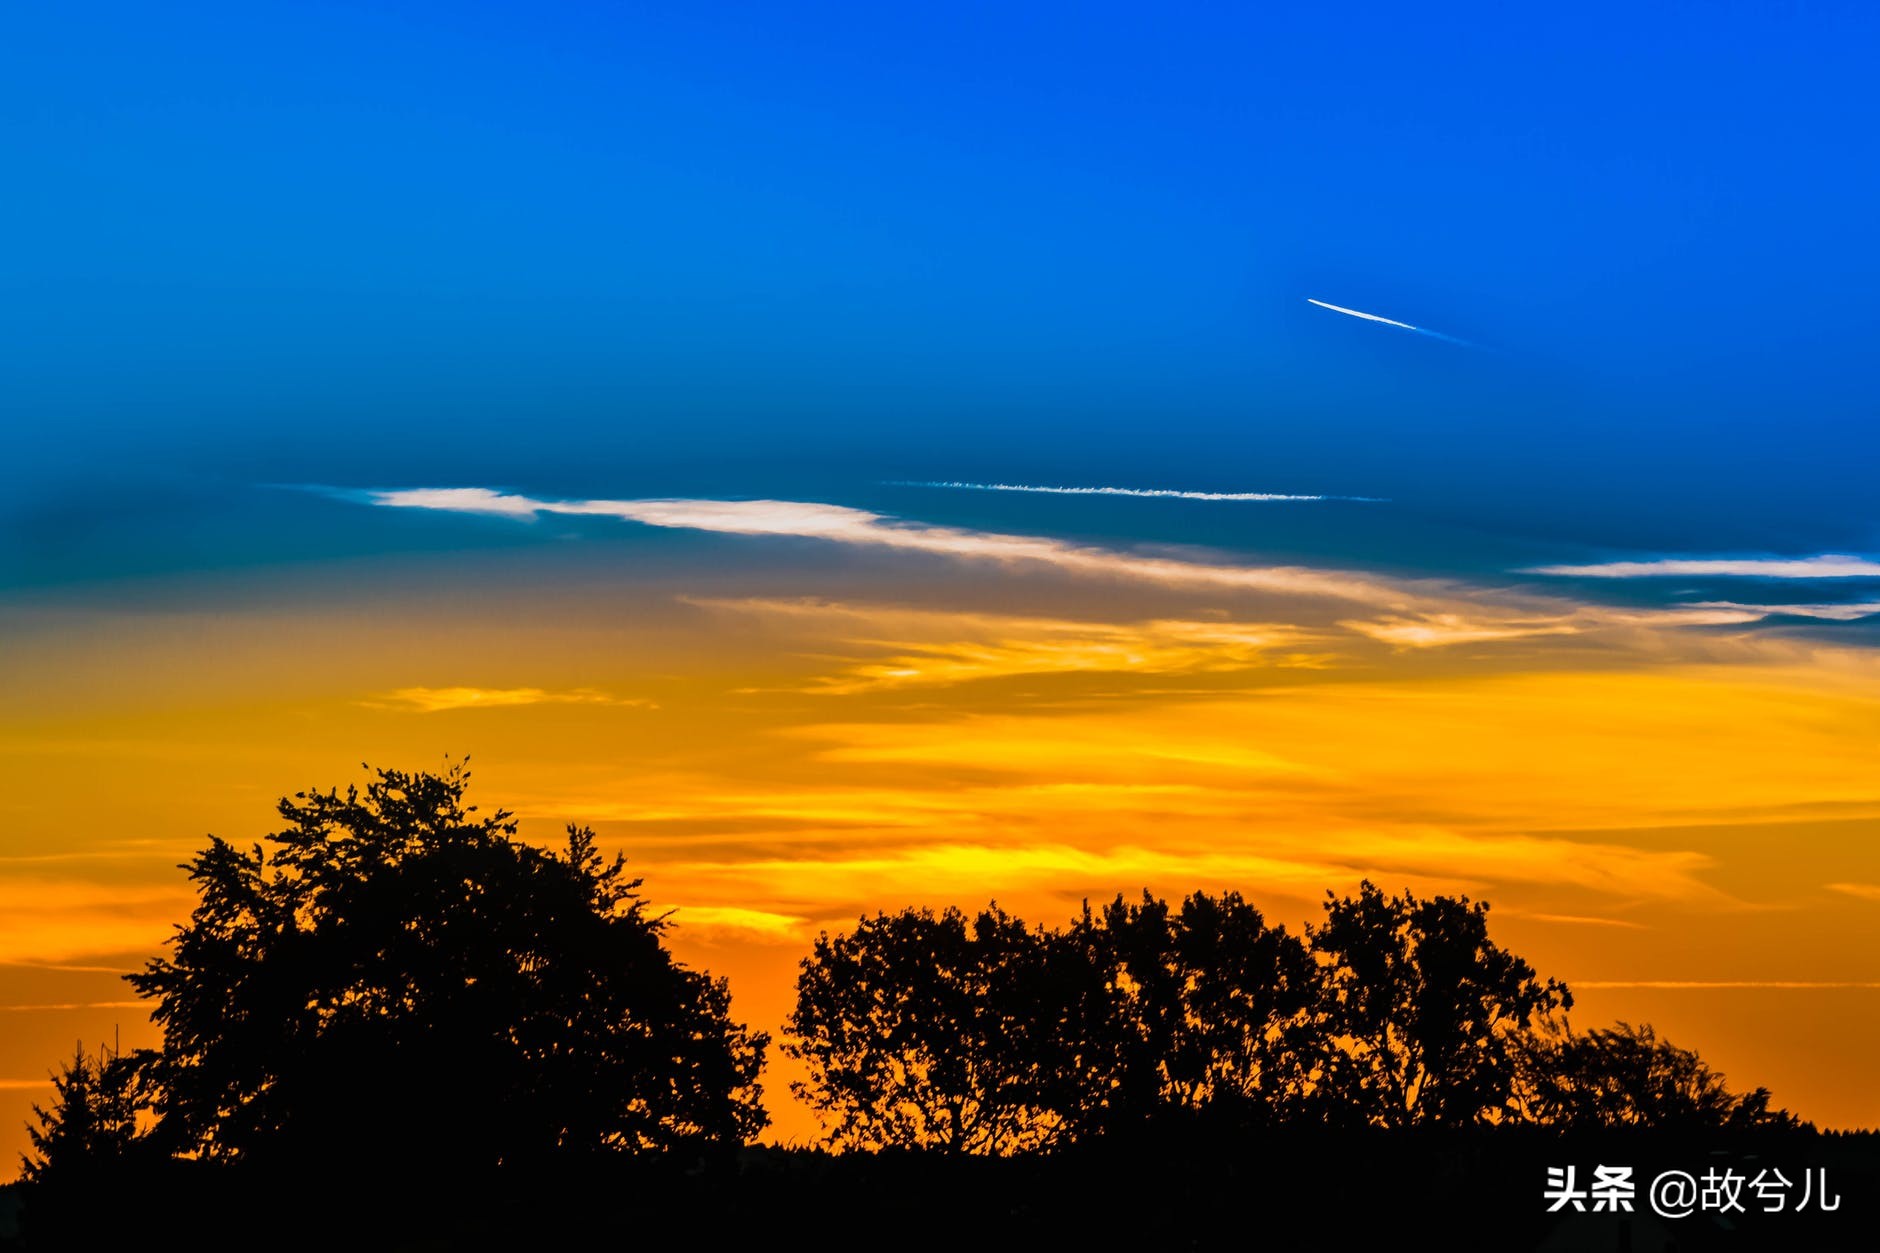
x,y
460,500
1415,614
1160,493
842,524
1827,566
1439,629
1435,630
1833,613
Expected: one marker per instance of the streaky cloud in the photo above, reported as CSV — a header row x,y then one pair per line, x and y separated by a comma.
x,y
1160,493
60,922
845,525
1433,629
70,967
1853,611
905,648
440,699
760,925
1414,614
1861,891
1826,566
455,500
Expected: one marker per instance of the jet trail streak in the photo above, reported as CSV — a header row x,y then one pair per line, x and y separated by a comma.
x,y
1372,317
1368,317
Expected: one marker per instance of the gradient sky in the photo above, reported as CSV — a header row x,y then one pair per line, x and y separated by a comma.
x,y
574,388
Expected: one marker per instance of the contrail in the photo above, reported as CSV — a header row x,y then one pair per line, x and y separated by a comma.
x,y
1368,317
1372,317
1165,493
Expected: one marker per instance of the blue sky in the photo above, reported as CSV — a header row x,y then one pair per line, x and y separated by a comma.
x,y
802,249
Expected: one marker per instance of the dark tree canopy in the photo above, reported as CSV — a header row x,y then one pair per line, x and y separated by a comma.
x,y
92,1124
1204,1007
985,1036
395,974
1425,1007
1626,1076
921,1029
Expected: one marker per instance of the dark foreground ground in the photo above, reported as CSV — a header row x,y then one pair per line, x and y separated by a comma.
x,y
1281,1191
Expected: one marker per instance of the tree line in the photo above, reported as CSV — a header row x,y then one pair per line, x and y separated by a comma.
x,y
395,977
981,1035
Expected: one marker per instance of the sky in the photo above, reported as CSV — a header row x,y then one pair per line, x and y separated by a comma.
x,y
639,399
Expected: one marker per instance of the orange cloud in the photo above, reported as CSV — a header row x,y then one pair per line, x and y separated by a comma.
x,y
935,648
1862,891
438,699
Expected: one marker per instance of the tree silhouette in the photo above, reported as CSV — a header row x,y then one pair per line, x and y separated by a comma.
x,y
924,1030
1626,1076
1423,1007
400,980
92,1124
1204,1008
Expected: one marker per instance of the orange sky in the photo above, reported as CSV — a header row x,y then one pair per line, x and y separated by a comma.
x,y
780,745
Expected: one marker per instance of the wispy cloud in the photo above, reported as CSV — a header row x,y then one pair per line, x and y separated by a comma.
x,y
763,926
842,524
910,648
837,886
457,500
1372,317
70,967
1163,493
1437,629
438,699
1434,630
1850,612
1828,566
1417,613
1864,891
60,922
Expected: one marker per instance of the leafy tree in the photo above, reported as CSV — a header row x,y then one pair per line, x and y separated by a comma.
x,y
924,1030
1423,1007
1626,1076
401,980
93,1120
1205,1008
983,1036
